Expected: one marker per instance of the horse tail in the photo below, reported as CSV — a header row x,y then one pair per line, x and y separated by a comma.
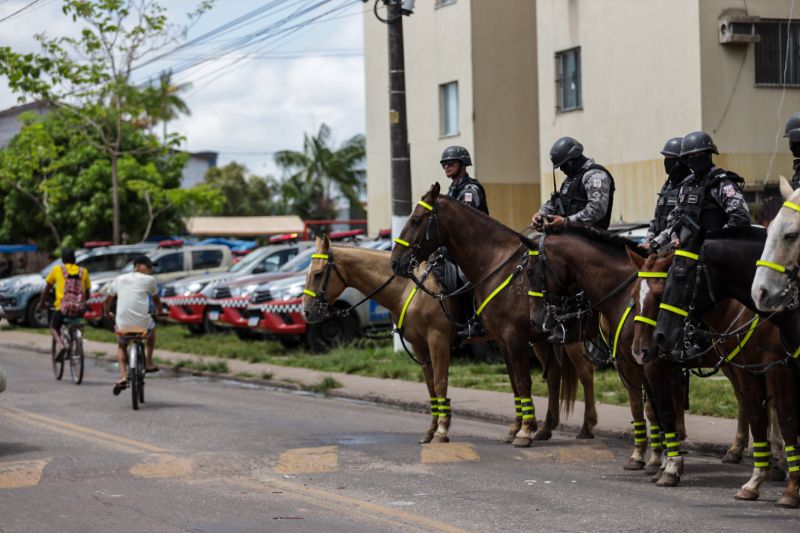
x,y
569,382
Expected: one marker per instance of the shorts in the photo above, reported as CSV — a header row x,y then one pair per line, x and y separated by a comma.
x,y
57,320
123,342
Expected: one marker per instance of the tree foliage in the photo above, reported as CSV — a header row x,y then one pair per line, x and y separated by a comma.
x,y
245,194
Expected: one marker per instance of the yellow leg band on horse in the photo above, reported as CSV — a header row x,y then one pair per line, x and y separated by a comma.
x,y
744,341
435,406
405,307
645,320
673,309
494,293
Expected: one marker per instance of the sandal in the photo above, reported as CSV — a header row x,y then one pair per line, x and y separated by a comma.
x,y
151,370
120,386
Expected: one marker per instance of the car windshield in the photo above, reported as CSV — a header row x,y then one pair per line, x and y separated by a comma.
x,y
299,262
46,270
246,261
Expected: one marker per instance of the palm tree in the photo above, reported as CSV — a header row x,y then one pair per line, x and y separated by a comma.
x,y
162,103
312,177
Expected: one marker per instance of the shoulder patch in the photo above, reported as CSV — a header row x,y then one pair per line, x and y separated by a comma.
x,y
468,196
729,190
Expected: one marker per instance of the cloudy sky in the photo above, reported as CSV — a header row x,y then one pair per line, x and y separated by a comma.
x,y
306,69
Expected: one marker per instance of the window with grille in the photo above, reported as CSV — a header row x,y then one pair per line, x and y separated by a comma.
x,y
568,80
448,109
778,50
442,3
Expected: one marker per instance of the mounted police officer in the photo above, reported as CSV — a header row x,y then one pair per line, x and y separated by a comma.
x,y
468,190
677,172
587,193
710,197
792,132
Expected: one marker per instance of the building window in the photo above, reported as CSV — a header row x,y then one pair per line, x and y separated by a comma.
x,y
779,39
442,3
448,109
568,80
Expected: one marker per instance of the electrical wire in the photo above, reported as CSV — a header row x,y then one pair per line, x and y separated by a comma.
x,y
20,10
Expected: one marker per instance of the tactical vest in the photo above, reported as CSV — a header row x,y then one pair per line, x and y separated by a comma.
x,y
796,176
667,200
455,191
575,199
696,203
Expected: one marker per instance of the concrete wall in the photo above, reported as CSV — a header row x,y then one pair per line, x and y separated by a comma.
x,y
640,67
744,119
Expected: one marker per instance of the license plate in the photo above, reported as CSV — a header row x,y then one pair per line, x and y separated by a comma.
x,y
253,321
213,315
165,309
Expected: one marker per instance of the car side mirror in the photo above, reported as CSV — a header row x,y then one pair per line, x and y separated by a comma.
x,y
259,269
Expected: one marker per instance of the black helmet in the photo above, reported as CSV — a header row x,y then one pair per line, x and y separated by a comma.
x,y
672,148
697,141
564,149
792,129
458,153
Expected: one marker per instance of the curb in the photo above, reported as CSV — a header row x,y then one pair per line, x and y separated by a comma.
x,y
705,448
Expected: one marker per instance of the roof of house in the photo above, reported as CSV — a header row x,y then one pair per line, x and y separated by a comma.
x,y
16,110
243,226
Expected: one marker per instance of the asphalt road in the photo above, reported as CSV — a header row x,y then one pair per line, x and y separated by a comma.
x,y
214,456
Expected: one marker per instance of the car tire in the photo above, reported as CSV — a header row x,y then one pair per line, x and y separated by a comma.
x,y
36,318
330,333
248,335
290,342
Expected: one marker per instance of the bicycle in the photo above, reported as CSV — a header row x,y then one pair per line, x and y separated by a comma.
x,y
72,336
135,353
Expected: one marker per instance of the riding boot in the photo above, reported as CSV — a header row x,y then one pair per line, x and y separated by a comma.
x,y
470,323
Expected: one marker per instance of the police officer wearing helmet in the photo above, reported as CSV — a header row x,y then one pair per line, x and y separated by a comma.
x,y
711,197
677,172
466,189
587,193
792,132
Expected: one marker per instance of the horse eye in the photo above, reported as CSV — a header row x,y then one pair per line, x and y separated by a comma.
x,y
415,220
790,236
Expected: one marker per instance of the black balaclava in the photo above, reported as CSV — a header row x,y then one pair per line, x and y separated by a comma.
x,y
572,166
670,163
794,146
699,164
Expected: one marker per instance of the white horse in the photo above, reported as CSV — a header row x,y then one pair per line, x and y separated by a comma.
x,y
772,287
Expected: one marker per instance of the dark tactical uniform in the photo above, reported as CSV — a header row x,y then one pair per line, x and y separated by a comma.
x,y
677,172
469,191
587,196
792,132
796,175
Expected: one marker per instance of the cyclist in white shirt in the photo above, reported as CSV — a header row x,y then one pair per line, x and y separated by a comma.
x,y
134,292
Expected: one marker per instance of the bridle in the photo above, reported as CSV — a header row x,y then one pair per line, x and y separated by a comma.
x,y
433,221
790,272
318,297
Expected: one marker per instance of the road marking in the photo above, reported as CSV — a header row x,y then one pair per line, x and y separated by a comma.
x,y
579,453
352,506
22,473
309,460
162,466
74,430
453,452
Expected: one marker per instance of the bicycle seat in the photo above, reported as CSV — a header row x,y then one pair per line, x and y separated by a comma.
x,y
132,333
74,321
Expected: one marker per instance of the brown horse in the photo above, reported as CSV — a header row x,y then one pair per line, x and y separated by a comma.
x,y
754,346
491,256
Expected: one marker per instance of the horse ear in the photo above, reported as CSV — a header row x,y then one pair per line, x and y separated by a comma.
x,y
318,242
326,242
786,189
636,259
435,191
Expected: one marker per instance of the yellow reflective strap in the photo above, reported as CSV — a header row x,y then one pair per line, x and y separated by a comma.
x,y
690,255
319,256
494,293
791,205
673,309
619,330
427,206
796,353
744,341
405,307
536,294
310,293
401,242
652,274
645,320
533,252
773,266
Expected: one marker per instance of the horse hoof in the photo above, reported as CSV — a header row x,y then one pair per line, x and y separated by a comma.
x,y
652,468
542,435
732,458
521,442
668,479
633,464
583,435
510,437
657,475
747,495
441,439
777,474
788,501
426,437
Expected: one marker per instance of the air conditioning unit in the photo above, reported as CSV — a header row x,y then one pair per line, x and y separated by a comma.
x,y
738,29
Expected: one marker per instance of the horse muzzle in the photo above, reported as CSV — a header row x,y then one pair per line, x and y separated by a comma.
x,y
770,298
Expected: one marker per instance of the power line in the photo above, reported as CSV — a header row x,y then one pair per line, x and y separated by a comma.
x,y
17,12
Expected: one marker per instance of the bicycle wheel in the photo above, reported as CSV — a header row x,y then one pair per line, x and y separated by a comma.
x,y
58,366
133,374
76,359
141,375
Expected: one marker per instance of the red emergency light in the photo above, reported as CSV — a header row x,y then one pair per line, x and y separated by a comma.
x,y
172,243
384,233
97,244
341,235
286,237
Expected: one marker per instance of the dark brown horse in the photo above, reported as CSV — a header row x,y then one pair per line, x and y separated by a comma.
x,y
752,348
492,258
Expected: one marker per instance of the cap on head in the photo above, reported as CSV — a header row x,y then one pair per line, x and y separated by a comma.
x,y
142,260
456,153
672,148
697,141
67,255
564,149
792,130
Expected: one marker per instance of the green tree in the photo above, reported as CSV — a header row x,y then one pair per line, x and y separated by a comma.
x,y
314,177
92,72
245,194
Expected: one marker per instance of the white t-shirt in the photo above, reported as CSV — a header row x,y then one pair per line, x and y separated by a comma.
x,y
133,291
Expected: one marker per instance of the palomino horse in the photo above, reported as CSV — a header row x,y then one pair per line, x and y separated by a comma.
x,y
426,327
492,258
752,347
578,257
705,273
775,283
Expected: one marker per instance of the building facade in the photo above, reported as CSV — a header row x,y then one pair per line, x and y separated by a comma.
x,y
622,76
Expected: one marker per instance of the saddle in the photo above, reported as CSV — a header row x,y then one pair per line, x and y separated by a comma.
x,y
448,275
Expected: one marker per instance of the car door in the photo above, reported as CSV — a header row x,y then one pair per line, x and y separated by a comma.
x,y
169,266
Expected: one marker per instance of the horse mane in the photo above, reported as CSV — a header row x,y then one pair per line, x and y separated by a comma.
x,y
492,221
748,232
596,235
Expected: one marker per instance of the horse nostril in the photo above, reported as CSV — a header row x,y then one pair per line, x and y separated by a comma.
x,y
645,354
660,339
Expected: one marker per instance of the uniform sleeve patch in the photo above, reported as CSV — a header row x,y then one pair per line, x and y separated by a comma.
x,y
597,182
467,196
729,190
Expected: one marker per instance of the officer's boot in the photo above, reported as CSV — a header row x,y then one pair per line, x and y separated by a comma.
x,y
597,349
471,325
